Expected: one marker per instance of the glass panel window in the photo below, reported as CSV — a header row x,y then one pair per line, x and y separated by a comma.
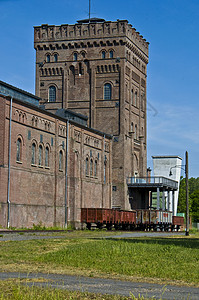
x,y
60,160
48,58
19,149
91,168
136,98
75,56
40,155
107,91
87,167
33,160
132,97
95,168
46,157
52,93
103,54
111,54
55,57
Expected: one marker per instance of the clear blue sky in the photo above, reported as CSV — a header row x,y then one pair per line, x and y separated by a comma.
x,y
171,27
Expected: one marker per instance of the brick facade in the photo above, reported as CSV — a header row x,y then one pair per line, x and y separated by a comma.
x,y
79,60
38,188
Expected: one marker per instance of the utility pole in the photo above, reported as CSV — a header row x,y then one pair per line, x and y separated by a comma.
x,y
187,195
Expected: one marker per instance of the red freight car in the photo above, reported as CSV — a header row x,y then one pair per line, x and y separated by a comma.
x,y
108,217
177,222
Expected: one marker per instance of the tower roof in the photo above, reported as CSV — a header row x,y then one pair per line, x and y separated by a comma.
x,y
91,20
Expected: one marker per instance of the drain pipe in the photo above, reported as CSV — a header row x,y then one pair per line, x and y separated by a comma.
x,y
9,158
66,175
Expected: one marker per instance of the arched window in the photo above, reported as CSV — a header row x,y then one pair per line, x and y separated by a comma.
x,y
91,167
105,171
132,127
60,160
103,54
136,95
111,54
18,149
52,93
86,167
48,58
55,57
75,56
95,168
132,97
107,91
40,161
135,133
33,159
47,157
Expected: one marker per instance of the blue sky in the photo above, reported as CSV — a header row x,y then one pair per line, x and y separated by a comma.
x,y
171,27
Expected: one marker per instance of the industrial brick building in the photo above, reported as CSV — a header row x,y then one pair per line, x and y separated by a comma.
x,y
98,68
76,142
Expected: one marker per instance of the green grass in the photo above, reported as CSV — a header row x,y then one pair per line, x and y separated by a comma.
x,y
14,290
87,253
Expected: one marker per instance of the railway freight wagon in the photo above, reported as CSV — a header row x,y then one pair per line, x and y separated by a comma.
x,y
120,219
140,219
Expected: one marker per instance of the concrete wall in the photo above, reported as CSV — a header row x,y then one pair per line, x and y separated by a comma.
x,y
162,166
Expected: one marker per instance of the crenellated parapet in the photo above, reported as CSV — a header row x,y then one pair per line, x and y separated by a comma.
x,y
106,33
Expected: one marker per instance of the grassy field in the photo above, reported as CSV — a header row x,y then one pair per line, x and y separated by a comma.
x,y
14,290
160,260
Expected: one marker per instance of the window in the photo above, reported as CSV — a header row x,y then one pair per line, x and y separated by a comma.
x,y
47,157
18,149
105,171
87,170
95,168
136,98
60,160
33,159
107,91
132,127
91,167
103,54
48,58
135,133
52,94
132,97
75,56
111,54
55,57
40,155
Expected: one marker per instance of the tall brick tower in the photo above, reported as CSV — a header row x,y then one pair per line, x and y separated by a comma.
x,y
98,68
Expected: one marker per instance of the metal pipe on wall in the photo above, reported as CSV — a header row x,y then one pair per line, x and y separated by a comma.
x,y
66,175
9,158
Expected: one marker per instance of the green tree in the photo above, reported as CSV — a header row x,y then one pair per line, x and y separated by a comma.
x,y
195,206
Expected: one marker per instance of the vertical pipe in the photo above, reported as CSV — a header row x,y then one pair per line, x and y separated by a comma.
x,y
187,195
9,158
158,198
66,175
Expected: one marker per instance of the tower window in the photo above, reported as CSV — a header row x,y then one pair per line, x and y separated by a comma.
x,y
18,149
103,54
33,159
40,155
95,168
107,91
48,58
91,167
75,56
60,160
132,97
55,57
87,170
111,54
47,157
136,98
52,94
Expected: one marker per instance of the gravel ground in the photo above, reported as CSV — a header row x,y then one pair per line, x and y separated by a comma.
x,y
108,286
37,236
